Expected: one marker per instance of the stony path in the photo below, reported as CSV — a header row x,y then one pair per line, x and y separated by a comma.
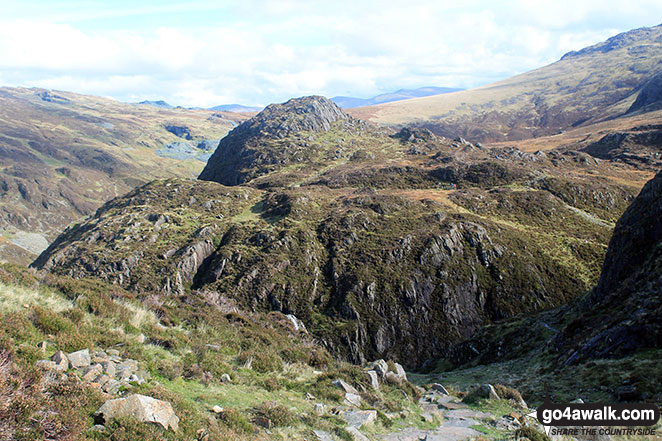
x,y
456,426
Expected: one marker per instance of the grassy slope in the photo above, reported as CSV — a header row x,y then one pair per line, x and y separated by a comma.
x,y
74,314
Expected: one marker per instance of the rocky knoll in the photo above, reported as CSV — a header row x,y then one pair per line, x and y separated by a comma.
x,y
245,154
358,232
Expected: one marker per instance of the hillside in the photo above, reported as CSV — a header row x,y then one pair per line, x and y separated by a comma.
x,y
617,77
63,155
603,346
372,237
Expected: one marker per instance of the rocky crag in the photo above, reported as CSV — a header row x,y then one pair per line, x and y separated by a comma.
x,y
604,345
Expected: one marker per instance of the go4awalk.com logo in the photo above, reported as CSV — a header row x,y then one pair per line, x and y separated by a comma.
x,y
573,419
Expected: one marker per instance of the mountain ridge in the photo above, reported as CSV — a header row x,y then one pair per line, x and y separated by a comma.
x,y
582,88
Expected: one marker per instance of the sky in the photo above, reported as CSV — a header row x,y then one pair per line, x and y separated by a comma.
x,y
254,52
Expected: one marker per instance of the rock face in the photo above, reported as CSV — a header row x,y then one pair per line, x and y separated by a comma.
x,y
650,96
620,317
624,312
143,408
637,235
241,155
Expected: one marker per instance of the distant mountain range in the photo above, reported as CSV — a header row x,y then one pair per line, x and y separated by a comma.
x,y
344,102
348,102
236,108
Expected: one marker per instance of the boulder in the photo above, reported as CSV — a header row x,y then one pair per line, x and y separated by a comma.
x,y
61,361
109,368
359,418
487,391
439,388
374,379
379,366
79,359
92,372
400,371
356,434
347,388
46,365
141,407
321,435
352,399
392,378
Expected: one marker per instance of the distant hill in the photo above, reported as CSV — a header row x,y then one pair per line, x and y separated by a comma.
x,y
348,102
617,77
159,103
63,155
239,108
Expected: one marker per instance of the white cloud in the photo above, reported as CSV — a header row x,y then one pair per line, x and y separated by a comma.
x,y
279,49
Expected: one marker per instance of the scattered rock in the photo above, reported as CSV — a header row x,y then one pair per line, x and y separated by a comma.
x,y
111,387
61,361
322,435
99,357
359,418
392,378
507,422
46,365
379,366
439,388
374,379
79,359
353,399
141,407
97,428
348,388
356,434
42,346
487,390
141,339
217,409
319,409
92,372
225,378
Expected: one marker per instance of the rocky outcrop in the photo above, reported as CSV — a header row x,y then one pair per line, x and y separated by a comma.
x,y
640,147
637,235
262,143
649,97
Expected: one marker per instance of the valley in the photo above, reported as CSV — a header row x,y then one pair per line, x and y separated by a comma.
x,y
430,268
